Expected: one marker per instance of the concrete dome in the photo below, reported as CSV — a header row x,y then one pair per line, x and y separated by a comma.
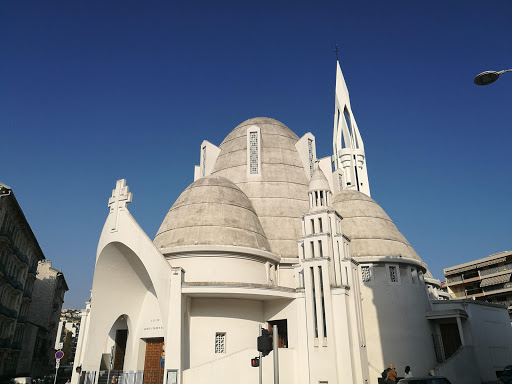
x,y
371,231
279,193
318,181
212,211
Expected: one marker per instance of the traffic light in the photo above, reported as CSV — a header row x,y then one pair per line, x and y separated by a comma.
x,y
265,342
255,362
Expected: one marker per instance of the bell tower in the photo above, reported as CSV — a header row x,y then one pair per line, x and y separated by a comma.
x,y
348,159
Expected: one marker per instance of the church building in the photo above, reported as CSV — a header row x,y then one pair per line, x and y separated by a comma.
x,y
269,235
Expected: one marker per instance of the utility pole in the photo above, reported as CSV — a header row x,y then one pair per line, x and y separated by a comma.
x,y
261,359
275,344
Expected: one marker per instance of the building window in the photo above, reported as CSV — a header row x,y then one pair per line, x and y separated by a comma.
x,y
366,276
220,342
311,159
394,274
414,276
203,168
253,153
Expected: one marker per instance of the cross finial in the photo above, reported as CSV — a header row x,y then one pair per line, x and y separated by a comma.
x,y
120,197
336,49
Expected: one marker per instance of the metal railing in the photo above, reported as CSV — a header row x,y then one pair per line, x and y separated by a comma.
x,y
453,279
496,269
122,377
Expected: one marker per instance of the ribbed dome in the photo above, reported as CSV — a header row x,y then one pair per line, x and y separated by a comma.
x,y
212,211
279,193
318,181
371,231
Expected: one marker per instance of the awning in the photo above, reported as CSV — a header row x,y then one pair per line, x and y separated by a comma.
x,y
496,280
459,270
476,266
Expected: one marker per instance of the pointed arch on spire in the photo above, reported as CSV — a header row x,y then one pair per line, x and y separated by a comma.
x,y
349,159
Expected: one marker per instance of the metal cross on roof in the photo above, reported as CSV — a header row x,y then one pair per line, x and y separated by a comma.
x,y
120,197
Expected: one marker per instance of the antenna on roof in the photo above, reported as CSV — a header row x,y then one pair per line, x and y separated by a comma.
x,y
336,50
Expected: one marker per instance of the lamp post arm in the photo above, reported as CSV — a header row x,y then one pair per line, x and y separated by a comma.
x,y
505,70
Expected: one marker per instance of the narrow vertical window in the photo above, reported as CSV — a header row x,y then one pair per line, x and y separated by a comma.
x,y
393,274
320,228
203,155
340,181
320,250
323,300
312,226
220,342
315,319
253,153
312,249
365,274
311,159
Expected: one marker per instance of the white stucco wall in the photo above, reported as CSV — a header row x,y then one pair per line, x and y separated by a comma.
x,y
396,327
210,267
239,319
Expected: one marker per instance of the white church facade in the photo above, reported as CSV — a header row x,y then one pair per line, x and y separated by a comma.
x,y
266,235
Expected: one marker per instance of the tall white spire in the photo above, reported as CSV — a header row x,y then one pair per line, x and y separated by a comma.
x,y
349,160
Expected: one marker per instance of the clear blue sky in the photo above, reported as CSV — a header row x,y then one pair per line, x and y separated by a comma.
x,y
94,91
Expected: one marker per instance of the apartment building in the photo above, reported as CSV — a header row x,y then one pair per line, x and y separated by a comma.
x,y
486,279
19,257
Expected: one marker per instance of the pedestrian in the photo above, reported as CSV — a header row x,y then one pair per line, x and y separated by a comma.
x,y
408,372
391,376
114,380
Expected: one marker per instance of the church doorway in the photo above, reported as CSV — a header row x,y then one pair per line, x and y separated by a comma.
x,y
120,349
154,361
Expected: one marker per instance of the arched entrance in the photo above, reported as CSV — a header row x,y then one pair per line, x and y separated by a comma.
x,y
119,333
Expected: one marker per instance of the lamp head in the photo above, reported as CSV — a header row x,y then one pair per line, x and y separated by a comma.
x,y
486,78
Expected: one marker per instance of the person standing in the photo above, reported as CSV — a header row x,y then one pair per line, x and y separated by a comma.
x,y
408,372
391,378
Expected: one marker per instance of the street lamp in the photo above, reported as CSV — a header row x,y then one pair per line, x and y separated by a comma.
x,y
489,77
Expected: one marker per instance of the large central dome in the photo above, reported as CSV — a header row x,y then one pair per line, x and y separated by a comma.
x,y
279,194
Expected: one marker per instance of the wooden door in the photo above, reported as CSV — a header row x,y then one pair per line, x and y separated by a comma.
x,y
121,337
153,364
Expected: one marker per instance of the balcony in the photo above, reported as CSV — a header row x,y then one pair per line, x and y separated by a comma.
x,y
5,343
27,294
21,257
7,312
14,283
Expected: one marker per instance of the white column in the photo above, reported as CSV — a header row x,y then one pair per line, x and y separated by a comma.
x,y
80,345
173,339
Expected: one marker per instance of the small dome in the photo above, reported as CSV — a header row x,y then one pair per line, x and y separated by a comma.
x,y
318,181
212,211
371,231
